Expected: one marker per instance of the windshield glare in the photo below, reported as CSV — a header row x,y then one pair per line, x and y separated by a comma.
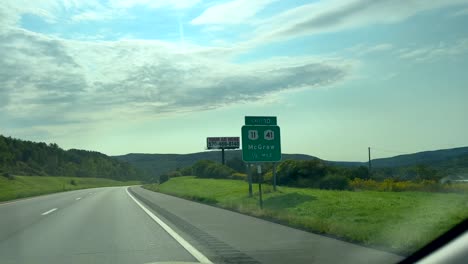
x,y
231,131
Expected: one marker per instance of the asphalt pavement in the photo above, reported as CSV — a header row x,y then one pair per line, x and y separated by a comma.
x,y
134,225
102,225
230,237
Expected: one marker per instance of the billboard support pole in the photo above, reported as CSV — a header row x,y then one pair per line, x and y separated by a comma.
x,y
222,156
222,143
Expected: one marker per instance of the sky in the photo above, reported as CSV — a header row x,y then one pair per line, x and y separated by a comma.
x,y
160,76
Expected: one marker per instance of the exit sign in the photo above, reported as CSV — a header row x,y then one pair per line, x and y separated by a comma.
x,y
261,143
260,120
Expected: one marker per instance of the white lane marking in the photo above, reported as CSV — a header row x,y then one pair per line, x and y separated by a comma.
x,y
48,212
195,253
78,198
35,197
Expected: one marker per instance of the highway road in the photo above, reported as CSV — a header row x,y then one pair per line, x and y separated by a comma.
x,y
134,225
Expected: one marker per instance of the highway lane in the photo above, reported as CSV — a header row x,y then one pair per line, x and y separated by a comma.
x,y
17,215
103,225
107,225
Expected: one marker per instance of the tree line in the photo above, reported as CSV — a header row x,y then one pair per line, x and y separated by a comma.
x,y
298,173
22,157
307,173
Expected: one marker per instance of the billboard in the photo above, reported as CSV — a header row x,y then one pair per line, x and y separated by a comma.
x,y
222,142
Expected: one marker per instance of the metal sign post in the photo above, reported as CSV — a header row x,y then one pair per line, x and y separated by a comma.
x,y
274,176
261,143
249,178
260,199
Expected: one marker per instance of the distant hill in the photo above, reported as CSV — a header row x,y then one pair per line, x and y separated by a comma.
x,y
161,163
40,159
434,158
31,158
454,160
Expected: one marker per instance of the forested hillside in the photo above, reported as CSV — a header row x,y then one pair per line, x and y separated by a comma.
x,y
30,158
450,161
434,158
159,164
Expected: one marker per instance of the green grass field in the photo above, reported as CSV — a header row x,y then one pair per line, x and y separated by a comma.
x,y
396,221
27,186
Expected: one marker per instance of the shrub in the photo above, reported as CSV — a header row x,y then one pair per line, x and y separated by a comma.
x,y
236,164
163,178
456,187
302,173
73,182
9,176
239,176
390,185
287,172
166,176
334,182
211,169
173,174
312,169
268,177
186,171
360,184
361,172
199,168
218,171
309,183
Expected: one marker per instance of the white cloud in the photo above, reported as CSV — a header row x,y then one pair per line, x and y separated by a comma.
x,y
363,49
11,11
180,4
95,15
336,15
232,12
50,81
461,12
433,52
380,47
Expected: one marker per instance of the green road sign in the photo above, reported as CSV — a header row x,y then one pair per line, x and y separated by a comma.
x,y
260,120
261,144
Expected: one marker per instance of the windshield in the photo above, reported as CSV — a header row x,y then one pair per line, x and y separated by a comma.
x,y
231,131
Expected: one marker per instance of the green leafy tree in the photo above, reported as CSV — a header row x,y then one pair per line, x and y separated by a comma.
x,y
303,173
334,182
424,172
360,172
211,169
236,164
30,158
187,171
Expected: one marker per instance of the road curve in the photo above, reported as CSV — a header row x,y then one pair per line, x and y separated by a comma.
x,y
120,225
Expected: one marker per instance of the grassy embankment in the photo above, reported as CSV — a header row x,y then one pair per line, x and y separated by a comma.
x,y
27,186
398,221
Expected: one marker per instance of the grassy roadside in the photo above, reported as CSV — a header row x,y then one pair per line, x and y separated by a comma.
x,y
27,186
398,221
